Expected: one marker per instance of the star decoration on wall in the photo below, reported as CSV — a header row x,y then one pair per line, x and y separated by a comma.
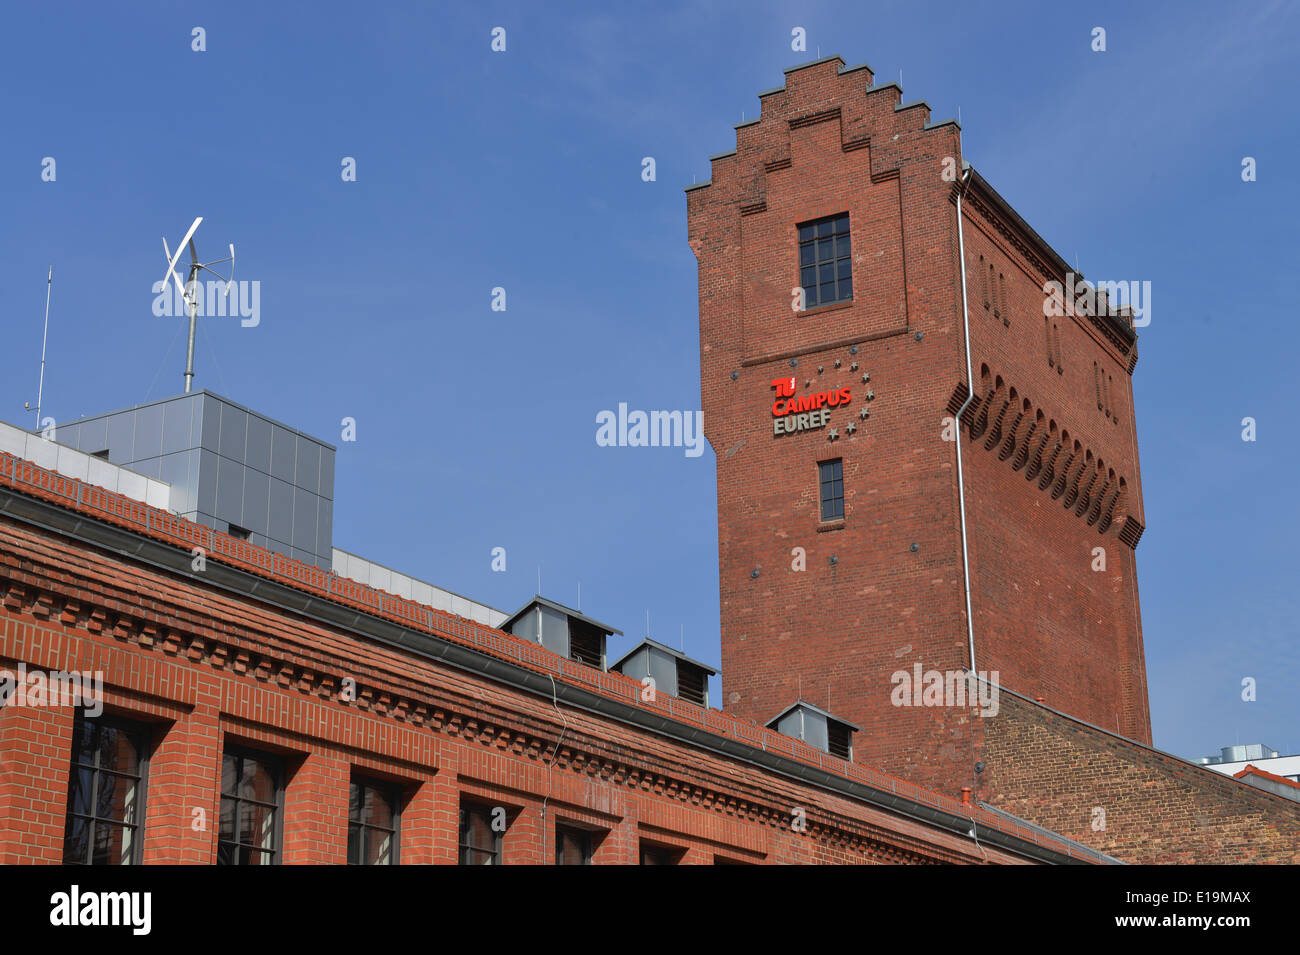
x,y
833,435
864,414
851,427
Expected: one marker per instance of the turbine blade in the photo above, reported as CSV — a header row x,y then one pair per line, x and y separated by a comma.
x,y
171,264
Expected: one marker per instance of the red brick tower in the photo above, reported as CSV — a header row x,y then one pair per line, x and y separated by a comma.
x,y
841,194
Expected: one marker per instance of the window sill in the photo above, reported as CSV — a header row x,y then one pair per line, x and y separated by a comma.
x,y
836,525
833,306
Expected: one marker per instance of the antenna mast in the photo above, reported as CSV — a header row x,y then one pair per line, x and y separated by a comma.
x,y
45,335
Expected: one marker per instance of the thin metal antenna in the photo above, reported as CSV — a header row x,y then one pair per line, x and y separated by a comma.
x,y
958,115
580,596
539,580
45,335
683,638
900,77
801,686
647,623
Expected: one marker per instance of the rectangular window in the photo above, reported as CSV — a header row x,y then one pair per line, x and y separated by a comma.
x,y
252,800
825,261
374,820
105,792
480,844
659,855
572,846
830,476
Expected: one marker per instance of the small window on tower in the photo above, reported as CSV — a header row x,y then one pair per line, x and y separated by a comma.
x,y
831,479
825,262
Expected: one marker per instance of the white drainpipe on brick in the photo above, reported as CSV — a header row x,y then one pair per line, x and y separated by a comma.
x,y
970,385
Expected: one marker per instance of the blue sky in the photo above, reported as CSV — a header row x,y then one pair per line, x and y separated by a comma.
x,y
474,170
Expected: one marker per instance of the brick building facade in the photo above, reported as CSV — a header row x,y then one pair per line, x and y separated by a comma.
x,y
830,605
253,654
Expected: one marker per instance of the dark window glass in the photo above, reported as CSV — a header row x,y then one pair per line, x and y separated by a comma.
x,y
830,475
825,261
572,846
658,855
479,844
105,792
252,793
373,823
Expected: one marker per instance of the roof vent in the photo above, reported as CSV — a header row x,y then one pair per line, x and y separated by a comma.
x,y
817,728
561,630
673,672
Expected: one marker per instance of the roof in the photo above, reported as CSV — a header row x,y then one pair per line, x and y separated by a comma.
x,y
1253,770
559,608
139,532
647,642
1078,846
804,704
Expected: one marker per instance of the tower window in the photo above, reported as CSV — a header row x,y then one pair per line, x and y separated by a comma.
x,y
831,479
825,262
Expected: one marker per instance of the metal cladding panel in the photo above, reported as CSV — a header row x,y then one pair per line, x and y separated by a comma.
x,y
93,436
280,513
284,452
304,520
327,472
258,449
176,471
555,631
234,432
121,437
149,467
207,481
663,668
230,492
69,434
307,473
178,419
209,425
325,530
257,497
148,433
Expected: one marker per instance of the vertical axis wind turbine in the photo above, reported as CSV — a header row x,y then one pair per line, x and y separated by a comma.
x,y
189,290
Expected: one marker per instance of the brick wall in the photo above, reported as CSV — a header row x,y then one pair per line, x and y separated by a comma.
x,y
203,667
1125,799
883,589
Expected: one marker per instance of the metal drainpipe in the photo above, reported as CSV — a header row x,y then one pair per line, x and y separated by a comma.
x,y
970,387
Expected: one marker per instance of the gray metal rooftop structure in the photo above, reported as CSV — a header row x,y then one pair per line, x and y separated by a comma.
x,y
229,468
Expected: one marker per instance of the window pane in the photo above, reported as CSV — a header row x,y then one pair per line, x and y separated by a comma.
x,y
117,752
805,232
256,825
806,254
76,841
379,848
112,844
825,249
844,268
229,774
808,276
257,781
116,798
379,811
827,293
827,273
354,845
842,246
846,288
842,223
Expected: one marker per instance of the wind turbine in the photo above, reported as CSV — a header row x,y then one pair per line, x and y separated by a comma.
x,y
188,290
